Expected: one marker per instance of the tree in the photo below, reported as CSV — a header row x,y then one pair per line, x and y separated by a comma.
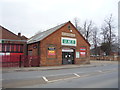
x,y
95,40
77,25
88,30
104,33
104,48
76,22
108,35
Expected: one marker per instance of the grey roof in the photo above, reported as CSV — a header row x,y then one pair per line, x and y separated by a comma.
x,y
40,36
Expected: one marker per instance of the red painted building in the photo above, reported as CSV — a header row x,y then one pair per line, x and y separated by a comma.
x,y
11,45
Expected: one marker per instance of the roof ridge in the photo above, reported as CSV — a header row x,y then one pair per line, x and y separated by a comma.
x,y
42,35
4,28
51,28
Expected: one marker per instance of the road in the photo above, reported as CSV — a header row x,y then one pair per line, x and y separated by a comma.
x,y
102,76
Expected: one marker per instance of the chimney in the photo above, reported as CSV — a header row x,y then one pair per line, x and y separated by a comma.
x,y
19,34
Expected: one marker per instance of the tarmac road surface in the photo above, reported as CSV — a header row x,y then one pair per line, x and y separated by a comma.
x,y
101,76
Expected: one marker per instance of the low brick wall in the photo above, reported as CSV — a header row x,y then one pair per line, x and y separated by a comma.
x,y
109,58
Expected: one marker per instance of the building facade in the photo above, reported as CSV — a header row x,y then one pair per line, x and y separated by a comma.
x,y
12,44
59,45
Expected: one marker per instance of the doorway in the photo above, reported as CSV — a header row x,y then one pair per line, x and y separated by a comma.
x,y
67,56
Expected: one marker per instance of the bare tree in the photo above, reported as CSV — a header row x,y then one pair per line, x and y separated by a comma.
x,y
108,34
76,22
87,28
104,33
95,40
77,25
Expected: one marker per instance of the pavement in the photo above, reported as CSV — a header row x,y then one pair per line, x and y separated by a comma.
x,y
93,63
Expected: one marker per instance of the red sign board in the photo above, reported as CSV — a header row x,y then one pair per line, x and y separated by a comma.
x,y
51,52
82,51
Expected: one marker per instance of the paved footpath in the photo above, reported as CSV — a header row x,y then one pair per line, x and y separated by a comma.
x,y
93,63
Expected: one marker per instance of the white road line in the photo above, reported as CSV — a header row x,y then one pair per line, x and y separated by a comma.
x,y
70,77
45,79
76,74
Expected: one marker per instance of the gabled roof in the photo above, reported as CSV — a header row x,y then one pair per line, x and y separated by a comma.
x,y
13,34
80,34
40,36
3,28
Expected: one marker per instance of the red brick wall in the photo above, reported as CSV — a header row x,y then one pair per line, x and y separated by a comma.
x,y
34,48
6,34
55,39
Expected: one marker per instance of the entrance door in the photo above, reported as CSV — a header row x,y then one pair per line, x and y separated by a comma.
x,y
68,57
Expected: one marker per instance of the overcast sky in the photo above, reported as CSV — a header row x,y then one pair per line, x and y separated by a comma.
x,y
31,16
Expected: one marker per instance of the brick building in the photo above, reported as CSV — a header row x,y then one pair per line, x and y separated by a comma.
x,y
59,45
12,44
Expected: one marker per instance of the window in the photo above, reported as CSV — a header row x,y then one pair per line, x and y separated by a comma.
x,y
68,27
0,47
21,48
12,48
7,48
3,48
17,48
